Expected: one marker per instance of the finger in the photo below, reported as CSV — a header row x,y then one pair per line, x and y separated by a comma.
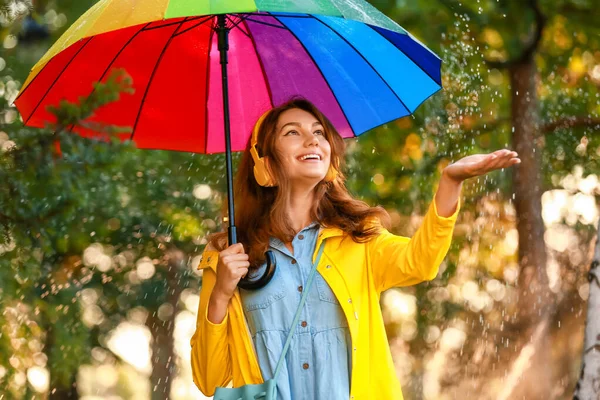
x,y
510,163
237,248
504,162
236,257
498,153
503,153
241,273
236,266
511,154
490,164
508,156
491,159
233,249
481,164
496,160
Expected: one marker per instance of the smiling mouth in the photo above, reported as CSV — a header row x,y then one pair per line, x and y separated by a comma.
x,y
310,157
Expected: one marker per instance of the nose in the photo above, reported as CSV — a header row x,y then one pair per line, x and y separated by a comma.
x,y
312,140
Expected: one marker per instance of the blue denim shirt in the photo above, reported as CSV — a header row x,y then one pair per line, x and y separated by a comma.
x,y
318,363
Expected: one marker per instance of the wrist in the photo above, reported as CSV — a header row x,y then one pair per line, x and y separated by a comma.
x,y
217,308
449,180
219,297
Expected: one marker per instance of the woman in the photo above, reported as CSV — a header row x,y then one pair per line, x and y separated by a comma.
x,y
339,349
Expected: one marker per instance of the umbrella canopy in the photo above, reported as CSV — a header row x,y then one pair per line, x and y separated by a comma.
x,y
358,66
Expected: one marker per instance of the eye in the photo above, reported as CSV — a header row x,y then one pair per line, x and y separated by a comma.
x,y
319,132
292,132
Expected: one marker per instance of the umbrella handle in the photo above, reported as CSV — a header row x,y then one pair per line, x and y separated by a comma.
x,y
260,282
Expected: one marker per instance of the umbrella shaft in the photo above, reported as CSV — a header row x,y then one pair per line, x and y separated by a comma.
x,y
223,43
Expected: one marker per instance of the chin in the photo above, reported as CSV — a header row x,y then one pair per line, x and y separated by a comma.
x,y
313,179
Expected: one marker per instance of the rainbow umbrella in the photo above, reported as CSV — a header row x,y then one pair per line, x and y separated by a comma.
x,y
202,69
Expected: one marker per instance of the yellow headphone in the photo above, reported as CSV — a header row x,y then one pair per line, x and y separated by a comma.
x,y
261,171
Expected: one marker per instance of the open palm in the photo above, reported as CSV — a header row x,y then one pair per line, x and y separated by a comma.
x,y
480,164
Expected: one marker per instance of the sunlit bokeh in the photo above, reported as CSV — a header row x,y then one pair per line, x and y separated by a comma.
x,y
100,242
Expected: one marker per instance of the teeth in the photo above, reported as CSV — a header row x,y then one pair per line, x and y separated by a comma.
x,y
311,156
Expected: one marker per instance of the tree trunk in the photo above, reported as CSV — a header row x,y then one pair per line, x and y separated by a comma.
x,y
62,393
163,350
535,300
588,387
58,390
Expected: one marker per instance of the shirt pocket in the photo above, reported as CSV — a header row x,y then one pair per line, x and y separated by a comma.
x,y
264,297
325,292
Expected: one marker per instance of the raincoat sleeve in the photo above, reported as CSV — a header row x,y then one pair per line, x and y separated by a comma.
x,y
401,261
211,358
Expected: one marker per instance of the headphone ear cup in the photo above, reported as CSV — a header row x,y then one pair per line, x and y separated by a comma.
x,y
262,174
332,173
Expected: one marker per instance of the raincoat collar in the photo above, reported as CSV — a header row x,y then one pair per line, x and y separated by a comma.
x,y
210,257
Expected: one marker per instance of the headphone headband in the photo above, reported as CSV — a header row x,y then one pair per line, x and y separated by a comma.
x,y
254,140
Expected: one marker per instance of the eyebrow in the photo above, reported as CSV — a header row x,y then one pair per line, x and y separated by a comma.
x,y
298,124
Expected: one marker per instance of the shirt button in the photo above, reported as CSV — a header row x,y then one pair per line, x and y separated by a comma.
x,y
300,237
328,266
305,365
300,288
293,261
304,324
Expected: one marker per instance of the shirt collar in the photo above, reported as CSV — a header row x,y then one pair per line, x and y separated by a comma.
x,y
279,245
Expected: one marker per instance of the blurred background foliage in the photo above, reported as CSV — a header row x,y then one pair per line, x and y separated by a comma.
x,y
99,241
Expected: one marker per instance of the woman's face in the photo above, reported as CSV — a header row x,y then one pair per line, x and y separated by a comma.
x,y
303,150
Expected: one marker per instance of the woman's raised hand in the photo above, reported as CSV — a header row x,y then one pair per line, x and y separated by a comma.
x,y
480,164
233,265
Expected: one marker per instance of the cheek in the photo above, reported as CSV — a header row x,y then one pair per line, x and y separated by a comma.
x,y
326,148
286,161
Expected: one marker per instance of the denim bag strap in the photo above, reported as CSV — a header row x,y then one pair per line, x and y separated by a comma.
x,y
298,311
268,389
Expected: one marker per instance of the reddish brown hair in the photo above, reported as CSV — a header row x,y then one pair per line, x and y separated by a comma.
x,y
260,211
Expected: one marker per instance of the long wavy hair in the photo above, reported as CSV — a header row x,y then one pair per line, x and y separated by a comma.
x,y
260,212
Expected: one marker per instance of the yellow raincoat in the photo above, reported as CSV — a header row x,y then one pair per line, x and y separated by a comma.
x,y
357,274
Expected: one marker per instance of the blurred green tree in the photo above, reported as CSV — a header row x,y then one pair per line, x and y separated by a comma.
x,y
522,74
63,195
519,74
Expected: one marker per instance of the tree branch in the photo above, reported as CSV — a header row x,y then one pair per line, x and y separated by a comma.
x,y
571,122
546,129
531,47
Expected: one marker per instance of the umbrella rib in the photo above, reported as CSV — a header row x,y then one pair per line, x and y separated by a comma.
x,y
409,57
320,71
70,129
172,23
237,24
210,41
285,15
195,25
266,23
119,53
160,57
262,67
55,80
367,61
